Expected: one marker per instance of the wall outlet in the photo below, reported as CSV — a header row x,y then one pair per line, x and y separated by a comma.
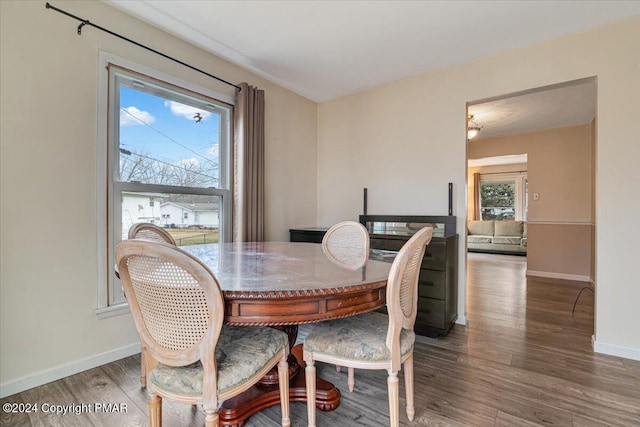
x,y
536,196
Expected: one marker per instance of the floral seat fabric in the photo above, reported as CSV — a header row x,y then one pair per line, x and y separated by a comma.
x,y
356,338
240,353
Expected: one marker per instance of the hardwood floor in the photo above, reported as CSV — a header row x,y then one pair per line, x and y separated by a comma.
x,y
522,360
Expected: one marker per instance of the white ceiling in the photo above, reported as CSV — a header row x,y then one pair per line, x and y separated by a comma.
x,y
327,49
564,105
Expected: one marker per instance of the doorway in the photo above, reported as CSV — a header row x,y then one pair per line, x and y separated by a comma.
x,y
546,138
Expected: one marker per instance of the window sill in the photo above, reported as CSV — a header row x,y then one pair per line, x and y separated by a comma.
x,y
112,311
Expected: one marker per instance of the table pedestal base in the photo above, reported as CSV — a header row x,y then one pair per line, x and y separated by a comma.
x,y
234,412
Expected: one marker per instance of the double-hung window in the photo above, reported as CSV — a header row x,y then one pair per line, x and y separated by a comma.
x,y
168,163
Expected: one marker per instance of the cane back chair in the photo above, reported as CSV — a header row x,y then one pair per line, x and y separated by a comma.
x,y
347,244
153,233
148,231
374,340
178,309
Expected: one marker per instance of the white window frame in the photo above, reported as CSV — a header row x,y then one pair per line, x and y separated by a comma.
x,y
520,179
110,301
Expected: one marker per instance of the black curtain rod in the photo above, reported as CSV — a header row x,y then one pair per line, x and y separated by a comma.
x,y
84,22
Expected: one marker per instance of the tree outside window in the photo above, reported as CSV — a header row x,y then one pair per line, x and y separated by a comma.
x,y
503,196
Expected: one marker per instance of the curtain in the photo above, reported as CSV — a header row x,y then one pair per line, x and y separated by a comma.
x,y
249,165
476,196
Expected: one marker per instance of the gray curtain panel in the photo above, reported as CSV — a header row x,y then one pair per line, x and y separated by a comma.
x,y
249,165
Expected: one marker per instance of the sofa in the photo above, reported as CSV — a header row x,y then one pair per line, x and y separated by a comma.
x,y
502,237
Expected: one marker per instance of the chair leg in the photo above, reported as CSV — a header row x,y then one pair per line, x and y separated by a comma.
x,y
310,376
408,385
211,419
283,382
351,380
394,401
143,371
155,410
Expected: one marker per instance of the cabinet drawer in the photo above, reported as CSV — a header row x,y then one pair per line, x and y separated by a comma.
x,y
431,312
435,256
431,284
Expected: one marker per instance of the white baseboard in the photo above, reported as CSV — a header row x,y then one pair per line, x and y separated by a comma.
x,y
461,320
48,375
616,350
551,275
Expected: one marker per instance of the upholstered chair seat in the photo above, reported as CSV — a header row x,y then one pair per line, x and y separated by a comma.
x,y
357,338
241,353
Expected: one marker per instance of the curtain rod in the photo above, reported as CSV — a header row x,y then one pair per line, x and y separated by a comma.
x,y
84,22
499,173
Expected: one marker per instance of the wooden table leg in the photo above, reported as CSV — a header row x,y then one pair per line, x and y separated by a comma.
x,y
234,412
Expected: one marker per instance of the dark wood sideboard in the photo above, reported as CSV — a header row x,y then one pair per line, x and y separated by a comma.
x,y
438,282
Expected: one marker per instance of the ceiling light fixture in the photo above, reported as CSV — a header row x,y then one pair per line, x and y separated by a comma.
x,y
473,128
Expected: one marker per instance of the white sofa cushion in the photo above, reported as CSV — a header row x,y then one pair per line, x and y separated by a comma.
x,y
508,228
483,228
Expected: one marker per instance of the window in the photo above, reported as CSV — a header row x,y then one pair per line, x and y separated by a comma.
x,y
168,154
503,197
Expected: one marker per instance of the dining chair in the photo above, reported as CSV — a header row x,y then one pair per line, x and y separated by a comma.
x,y
178,310
347,244
148,231
375,340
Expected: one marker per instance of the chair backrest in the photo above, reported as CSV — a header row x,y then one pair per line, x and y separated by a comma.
x,y
347,244
151,232
175,300
402,289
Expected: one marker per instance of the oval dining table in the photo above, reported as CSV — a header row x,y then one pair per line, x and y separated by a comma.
x,y
283,285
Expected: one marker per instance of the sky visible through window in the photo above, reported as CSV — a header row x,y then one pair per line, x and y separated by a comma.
x,y
167,142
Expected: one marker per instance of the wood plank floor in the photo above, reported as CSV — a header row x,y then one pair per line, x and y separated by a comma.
x,y
522,360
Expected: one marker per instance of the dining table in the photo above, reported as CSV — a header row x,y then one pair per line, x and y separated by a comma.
x,y
283,285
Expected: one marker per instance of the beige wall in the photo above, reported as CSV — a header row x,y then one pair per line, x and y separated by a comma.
x,y
406,140
49,90
560,251
560,169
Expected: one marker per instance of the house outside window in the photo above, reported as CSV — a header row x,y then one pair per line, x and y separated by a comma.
x,y
167,146
503,197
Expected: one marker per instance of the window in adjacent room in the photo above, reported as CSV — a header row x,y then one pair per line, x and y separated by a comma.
x,y
168,151
503,197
